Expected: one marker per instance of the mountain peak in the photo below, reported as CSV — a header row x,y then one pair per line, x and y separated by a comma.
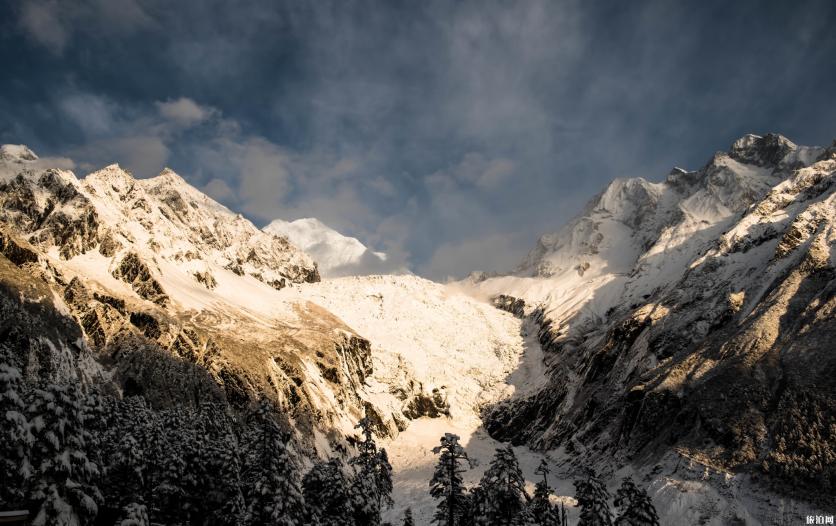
x,y
623,196
167,175
17,152
769,149
335,254
112,178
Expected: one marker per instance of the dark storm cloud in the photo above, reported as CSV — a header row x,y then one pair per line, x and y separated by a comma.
x,y
450,134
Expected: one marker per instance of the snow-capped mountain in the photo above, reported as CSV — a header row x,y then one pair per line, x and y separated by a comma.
x,y
696,312
335,254
678,331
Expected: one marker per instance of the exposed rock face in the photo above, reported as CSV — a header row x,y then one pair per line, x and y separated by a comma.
x,y
35,336
768,150
432,406
48,207
15,251
207,279
133,271
716,340
515,306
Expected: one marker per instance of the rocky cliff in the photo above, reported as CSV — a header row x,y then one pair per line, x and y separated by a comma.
x,y
694,314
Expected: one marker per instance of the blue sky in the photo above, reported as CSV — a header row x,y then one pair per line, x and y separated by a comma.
x,y
449,134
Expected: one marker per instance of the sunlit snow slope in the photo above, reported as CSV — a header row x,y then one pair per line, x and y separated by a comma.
x,y
425,337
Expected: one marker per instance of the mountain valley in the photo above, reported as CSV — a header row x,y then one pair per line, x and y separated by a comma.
x,y
681,332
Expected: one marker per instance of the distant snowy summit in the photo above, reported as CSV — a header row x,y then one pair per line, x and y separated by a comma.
x,y
13,158
335,254
17,152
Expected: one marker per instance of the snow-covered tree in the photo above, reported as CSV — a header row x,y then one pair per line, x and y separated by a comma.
x,y
64,476
271,480
477,507
169,435
634,506
124,446
371,489
126,471
229,507
503,490
97,413
540,507
446,483
407,518
135,515
592,497
326,493
219,453
16,439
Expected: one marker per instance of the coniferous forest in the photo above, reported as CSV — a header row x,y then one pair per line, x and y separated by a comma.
x,y
77,456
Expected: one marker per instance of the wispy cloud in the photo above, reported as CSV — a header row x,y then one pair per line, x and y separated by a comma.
x,y
448,134
52,23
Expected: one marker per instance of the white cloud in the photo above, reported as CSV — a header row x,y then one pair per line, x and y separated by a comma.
x,y
140,138
185,112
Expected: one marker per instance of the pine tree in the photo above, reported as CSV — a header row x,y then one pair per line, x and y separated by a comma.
x,y
371,488
16,439
446,483
65,477
592,497
503,487
326,493
407,518
541,508
273,488
634,506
